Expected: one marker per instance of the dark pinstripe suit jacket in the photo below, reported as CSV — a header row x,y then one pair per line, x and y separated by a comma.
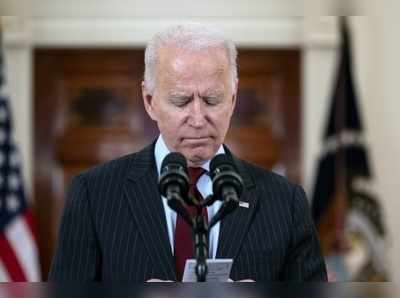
x,y
114,228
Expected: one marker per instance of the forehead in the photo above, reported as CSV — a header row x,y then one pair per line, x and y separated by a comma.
x,y
182,65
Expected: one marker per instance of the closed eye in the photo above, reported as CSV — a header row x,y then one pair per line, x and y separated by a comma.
x,y
212,100
180,101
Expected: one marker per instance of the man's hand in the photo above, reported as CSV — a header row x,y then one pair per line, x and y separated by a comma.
x,y
229,280
158,280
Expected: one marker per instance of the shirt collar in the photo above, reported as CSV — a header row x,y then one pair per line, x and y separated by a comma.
x,y
161,151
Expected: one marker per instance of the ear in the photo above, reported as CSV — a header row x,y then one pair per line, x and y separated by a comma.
x,y
148,102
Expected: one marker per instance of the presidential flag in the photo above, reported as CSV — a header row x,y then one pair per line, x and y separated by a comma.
x,y
345,207
18,245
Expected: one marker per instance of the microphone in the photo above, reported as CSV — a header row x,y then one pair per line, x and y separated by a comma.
x,y
227,185
173,183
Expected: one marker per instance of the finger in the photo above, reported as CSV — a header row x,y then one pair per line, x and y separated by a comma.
x,y
158,280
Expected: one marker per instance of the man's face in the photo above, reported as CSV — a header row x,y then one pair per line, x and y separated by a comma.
x,y
193,101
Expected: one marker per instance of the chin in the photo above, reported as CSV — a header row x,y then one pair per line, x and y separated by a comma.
x,y
198,157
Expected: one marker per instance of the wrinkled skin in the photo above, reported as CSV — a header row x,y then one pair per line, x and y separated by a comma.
x,y
193,101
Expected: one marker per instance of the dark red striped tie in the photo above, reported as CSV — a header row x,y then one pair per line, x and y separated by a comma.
x,y
183,232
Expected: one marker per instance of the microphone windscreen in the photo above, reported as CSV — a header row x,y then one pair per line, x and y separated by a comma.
x,y
175,158
221,160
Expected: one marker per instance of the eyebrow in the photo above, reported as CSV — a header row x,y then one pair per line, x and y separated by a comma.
x,y
179,94
214,89
215,93
206,93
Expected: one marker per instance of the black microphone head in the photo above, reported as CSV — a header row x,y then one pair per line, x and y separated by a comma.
x,y
176,159
223,173
174,174
221,160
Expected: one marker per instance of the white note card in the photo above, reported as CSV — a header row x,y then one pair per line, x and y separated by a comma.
x,y
218,270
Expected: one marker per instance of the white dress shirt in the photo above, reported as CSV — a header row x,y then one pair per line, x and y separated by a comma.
x,y
204,185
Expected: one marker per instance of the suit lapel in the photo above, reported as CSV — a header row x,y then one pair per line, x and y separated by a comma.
x,y
234,227
141,189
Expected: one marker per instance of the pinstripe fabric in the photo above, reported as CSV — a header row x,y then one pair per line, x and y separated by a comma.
x,y
114,228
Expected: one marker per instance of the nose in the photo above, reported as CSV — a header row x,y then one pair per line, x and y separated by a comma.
x,y
197,113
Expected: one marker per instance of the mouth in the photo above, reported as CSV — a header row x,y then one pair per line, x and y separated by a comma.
x,y
196,140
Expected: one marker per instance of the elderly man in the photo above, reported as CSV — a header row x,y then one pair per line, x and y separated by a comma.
x,y
116,226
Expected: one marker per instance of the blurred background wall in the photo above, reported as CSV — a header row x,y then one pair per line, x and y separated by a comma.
x,y
252,24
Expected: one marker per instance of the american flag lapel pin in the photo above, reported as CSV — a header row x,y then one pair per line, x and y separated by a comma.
x,y
243,204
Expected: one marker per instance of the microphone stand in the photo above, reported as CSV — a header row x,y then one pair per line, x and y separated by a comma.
x,y
201,231
200,247
200,227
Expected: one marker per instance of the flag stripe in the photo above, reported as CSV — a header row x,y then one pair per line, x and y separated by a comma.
x,y
18,248
10,260
30,221
4,276
18,232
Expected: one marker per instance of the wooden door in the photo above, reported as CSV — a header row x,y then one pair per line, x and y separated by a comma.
x,y
88,109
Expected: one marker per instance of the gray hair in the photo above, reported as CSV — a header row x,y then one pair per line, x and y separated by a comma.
x,y
191,37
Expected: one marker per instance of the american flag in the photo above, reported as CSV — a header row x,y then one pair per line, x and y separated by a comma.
x,y
18,245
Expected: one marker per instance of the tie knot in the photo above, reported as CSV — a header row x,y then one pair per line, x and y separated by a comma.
x,y
195,174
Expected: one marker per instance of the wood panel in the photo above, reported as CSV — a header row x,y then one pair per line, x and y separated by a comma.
x,y
88,109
